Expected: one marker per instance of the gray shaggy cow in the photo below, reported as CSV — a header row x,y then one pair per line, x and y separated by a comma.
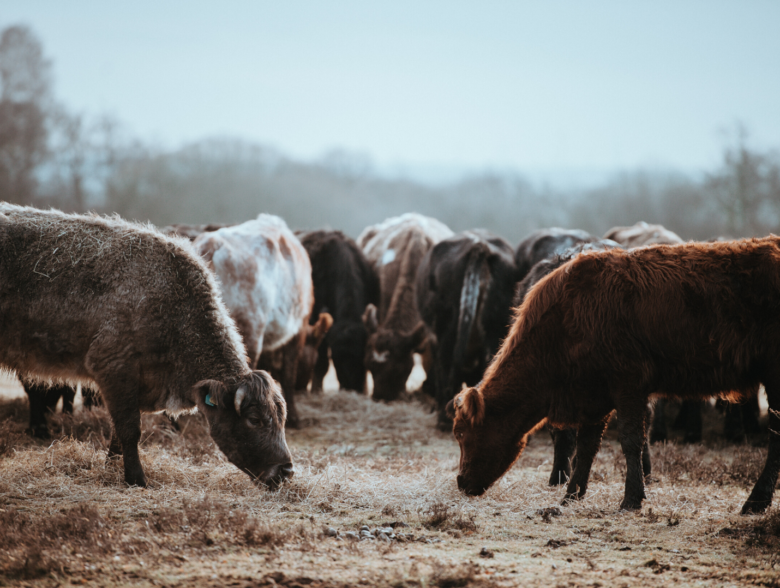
x,y
135,314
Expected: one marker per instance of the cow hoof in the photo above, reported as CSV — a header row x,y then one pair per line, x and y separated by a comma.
x,y
755,506
570,499
135,480
631,505
39,432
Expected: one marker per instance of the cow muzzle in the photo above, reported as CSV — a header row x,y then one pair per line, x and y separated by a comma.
x,y
276,475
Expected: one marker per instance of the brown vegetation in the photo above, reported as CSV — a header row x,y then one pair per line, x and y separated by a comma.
x,y
65,518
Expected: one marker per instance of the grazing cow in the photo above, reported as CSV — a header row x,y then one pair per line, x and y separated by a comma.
x,y
395,248
265,276
608,330
344,284
464,294
43,400
121,308
547,243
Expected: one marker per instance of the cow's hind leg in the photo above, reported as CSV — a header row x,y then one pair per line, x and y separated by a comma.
x,y
761,496
658,430
588,445
564,443
631,432
40,403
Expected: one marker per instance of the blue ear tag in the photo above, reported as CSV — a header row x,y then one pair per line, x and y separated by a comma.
x,y
209,402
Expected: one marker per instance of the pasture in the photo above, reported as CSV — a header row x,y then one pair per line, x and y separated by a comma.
x,y
66,518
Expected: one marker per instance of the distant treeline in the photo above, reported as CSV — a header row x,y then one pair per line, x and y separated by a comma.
x,y
50,156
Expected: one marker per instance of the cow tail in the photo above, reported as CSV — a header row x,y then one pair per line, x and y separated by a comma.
x,y
471,294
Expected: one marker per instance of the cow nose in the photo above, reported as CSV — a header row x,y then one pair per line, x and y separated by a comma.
x,y
286,471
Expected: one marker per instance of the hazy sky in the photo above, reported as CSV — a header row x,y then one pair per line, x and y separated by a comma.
x,y
526,85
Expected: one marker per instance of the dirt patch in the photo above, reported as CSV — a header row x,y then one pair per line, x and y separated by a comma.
x,y
65,516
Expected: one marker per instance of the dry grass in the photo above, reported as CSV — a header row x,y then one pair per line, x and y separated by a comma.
x,y
66,517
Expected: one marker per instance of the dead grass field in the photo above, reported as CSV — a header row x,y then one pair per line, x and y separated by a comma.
x,y
65,517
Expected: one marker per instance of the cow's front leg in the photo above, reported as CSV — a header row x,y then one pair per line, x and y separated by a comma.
x,y
588,445
631,432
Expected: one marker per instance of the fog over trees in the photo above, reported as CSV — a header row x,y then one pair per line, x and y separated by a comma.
x,y
52,156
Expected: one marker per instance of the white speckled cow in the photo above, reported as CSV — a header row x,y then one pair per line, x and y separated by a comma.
x,y
265,276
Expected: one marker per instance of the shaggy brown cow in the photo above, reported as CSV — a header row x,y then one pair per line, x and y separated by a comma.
x,y
609,329
265,277
121,308
395,249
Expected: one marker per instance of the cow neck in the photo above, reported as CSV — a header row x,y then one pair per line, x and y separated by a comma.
x,y
402,311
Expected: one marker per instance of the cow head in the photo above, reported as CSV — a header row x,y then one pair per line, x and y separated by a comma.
x,y
389,355
307,357
487,446
246,420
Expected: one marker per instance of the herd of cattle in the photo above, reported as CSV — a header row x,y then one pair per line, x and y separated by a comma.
x,y
233,319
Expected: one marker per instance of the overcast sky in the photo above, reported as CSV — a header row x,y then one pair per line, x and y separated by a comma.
x,y
524,85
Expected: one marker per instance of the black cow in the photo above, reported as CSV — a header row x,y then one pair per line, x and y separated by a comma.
x,y
545,244
344,284
565,440
464,289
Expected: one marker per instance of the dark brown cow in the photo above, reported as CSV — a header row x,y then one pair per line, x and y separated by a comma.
x,y
344,284
395,249
122,308
608,330
464,287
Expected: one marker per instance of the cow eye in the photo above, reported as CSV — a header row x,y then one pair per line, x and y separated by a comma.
x,y
255,417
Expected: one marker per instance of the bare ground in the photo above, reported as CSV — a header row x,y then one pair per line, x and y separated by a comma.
x,y
66,518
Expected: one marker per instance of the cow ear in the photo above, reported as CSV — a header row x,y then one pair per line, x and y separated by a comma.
x,y
209,394
418,337
473,406
322,326
449,410
370,320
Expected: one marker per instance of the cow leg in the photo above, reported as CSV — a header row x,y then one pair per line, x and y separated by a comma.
x,y
122,402
647,466
761,496
39,399
658,432
693,422
631,433
320,368
564,443
288,375
68,396
750,411
588,445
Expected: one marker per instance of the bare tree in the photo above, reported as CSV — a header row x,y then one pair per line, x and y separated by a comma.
x,y
746,188
24,99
